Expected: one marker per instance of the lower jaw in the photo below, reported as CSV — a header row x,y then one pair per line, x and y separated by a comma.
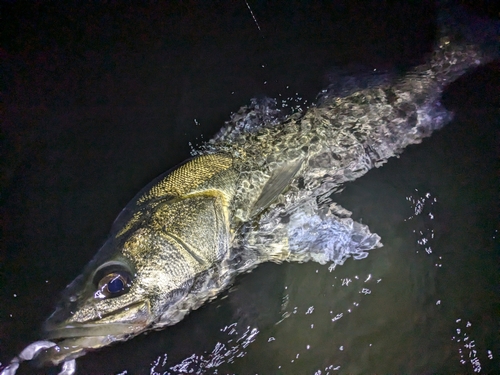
x,y
82,331
71,348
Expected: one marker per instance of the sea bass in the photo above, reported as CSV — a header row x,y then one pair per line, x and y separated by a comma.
x,y
259,191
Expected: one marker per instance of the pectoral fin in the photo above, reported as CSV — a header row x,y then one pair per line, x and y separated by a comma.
x,y
279,180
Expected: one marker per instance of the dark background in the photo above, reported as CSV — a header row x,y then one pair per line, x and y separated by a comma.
x,y
99,98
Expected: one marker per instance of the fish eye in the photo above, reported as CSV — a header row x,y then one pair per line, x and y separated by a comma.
x,y
112,282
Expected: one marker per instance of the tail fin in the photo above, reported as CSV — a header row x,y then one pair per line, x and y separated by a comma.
x,y
461,26
464,40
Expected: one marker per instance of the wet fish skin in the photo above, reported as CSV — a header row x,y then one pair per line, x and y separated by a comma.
x,y
187,234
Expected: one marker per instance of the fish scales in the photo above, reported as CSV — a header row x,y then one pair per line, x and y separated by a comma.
x,y
383,119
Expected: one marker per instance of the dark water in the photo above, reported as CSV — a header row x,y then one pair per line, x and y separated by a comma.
x,y
101,99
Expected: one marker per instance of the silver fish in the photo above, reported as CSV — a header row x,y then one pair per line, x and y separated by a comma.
x,y
259,191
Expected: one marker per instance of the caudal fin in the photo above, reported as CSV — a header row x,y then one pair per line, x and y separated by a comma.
x,y
465,40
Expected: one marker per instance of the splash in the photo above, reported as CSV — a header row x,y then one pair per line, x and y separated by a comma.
x,y
223,352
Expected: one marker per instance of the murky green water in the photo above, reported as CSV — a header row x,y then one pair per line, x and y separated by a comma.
x,y
89,124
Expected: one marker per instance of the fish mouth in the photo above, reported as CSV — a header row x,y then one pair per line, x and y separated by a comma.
x,y
71,348
93,330
75,339
126,321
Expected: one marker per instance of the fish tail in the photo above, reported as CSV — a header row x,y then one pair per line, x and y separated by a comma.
x,y
463,26
464,40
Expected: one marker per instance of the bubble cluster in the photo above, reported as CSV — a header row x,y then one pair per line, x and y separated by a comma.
x,y
223,352
468,351
421,206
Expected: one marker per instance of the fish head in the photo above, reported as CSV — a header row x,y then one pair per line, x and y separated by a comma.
x,y
128,288
162,259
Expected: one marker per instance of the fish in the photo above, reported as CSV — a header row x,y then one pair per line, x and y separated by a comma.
x,y
259,191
